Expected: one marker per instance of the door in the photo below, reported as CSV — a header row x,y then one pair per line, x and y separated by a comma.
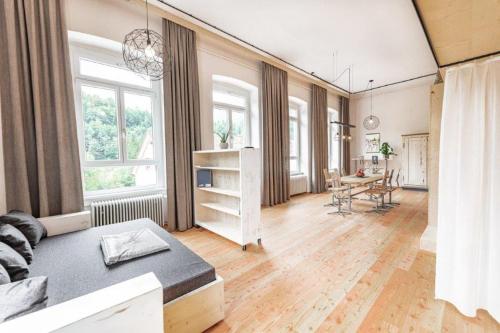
x,y
416,162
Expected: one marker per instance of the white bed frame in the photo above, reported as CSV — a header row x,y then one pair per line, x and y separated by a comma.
x,y
134,305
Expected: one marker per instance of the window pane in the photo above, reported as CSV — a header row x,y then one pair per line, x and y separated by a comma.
x,y
220,96
139,124
100,123
334,139
294,166
108,72
238,129
294,137
221,124
108,178
293,112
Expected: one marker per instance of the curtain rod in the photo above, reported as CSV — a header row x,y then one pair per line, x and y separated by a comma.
x,y
471,59
394,83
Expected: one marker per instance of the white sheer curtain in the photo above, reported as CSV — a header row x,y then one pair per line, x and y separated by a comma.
x,y
468,240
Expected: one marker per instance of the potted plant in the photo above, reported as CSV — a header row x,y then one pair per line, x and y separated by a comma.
x,y
386,150
223,135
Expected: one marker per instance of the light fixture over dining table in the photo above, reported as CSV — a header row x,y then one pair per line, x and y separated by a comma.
x,y
371,122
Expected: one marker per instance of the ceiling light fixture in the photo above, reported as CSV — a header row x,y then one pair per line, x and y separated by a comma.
x,y
143,52
371,122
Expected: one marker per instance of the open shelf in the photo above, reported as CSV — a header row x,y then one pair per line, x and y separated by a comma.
x,y
221,208
217,168
223,191
231,231
231,206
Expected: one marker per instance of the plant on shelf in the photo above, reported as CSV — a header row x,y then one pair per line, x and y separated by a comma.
x,y
223,133
386,150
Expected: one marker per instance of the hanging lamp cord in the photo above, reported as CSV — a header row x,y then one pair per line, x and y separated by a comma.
x,y
371,99
147,21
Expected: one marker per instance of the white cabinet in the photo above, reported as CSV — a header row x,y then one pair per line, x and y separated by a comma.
x,y
414,157
230,207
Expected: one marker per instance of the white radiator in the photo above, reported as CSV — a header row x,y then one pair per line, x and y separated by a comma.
x,y
298,184
126,209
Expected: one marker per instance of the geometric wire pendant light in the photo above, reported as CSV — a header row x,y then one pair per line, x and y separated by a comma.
x,y
371,122
143,52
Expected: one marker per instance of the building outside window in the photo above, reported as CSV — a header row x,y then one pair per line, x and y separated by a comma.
x,y
119,125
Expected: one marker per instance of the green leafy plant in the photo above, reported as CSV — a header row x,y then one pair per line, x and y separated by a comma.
x,y
223,133
386,150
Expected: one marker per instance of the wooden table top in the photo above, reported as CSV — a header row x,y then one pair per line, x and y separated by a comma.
x,y
354,180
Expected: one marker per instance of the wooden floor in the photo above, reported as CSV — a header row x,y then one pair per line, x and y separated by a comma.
x,y
326,273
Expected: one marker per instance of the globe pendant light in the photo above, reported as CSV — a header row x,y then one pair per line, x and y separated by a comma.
x,y
371,122
143,52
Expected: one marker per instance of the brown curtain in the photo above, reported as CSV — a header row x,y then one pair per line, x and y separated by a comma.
x,y
182,122
345,149
42,164
319,135
275,136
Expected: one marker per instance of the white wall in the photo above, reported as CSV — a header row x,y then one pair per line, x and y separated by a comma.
x,y
111,19
215,58
402,109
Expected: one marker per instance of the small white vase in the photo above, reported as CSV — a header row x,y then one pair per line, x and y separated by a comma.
x,y
223,145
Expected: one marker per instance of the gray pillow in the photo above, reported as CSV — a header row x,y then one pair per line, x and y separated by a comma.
x,y
22,297
31,228
13,263
16,240
4,276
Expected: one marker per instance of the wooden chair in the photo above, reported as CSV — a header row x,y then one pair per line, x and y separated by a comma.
x,y
340,194
393,188
378,192
328,179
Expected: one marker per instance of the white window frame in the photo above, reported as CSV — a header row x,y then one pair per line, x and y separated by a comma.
x,y
228,108
108,57
333,129
292,105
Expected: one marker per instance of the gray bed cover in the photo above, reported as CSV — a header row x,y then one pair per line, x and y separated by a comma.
x,y
74,265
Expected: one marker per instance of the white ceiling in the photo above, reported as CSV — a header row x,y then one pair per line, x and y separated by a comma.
x,y
382,39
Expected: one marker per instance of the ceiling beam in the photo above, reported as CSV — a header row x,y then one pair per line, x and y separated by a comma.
x,y
427,37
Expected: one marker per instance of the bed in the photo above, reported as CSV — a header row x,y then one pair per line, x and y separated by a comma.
x,y
85,294
74,264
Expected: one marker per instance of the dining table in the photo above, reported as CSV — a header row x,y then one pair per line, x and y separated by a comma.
x,y
353,181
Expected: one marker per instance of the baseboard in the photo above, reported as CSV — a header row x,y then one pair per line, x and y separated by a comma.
x,y
428,239
411,188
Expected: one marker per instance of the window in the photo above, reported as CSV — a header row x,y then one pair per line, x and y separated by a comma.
x,y
119,125
333,140
294,115
231,107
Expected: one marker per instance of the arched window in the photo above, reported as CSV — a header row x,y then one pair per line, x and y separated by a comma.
x,y
231,112
333,140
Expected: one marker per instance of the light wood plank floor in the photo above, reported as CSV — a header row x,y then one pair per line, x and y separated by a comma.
x,y
326,273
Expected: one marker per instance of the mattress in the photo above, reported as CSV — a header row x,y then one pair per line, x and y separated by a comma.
x,y
74,264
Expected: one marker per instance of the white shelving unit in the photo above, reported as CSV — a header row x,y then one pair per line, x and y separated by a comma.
x,y
231,207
